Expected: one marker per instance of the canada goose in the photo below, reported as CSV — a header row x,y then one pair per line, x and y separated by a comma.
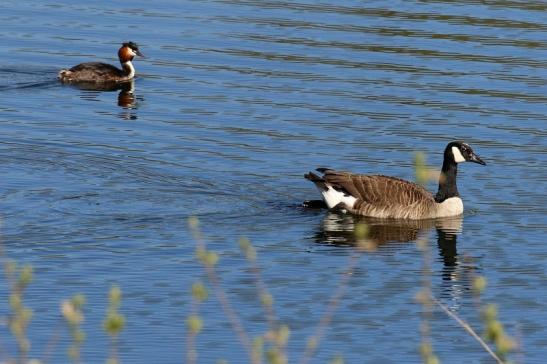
x,y
390,197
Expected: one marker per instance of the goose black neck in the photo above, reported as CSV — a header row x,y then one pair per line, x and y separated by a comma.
x,y
447,181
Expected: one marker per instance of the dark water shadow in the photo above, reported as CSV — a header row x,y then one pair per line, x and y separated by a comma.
x,y
340,229
91,90
127,98
456,271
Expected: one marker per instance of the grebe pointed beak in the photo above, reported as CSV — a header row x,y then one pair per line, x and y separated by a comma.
x,y
139,53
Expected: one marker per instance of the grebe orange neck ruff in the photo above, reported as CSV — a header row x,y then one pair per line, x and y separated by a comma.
x,y
96,72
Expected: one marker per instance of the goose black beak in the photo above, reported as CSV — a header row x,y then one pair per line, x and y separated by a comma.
x,y
476,159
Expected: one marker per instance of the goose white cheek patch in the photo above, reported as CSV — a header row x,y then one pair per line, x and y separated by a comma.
x,y
458,157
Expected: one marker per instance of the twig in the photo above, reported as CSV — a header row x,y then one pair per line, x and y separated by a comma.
x,y
191,353
51,344
3,352
469,329
261,288
329,313
262,291
266,306
232,315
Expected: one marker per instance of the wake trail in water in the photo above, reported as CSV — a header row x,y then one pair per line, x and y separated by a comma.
x,y
14,78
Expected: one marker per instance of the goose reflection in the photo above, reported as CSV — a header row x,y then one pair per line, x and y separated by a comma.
x,y
343,230
340,229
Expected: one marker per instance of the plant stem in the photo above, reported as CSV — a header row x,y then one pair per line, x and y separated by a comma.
x,y
469,329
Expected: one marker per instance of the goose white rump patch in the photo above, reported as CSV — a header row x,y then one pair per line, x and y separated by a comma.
x,y
333,198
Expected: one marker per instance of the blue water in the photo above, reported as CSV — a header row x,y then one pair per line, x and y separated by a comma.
x,y
233,103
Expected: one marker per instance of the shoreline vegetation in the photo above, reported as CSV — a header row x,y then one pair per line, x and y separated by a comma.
x,y
270,346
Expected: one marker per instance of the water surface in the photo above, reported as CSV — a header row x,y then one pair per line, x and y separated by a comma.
x,y
235,101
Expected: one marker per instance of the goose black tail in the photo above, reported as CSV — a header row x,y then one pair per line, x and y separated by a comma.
x,y
319,182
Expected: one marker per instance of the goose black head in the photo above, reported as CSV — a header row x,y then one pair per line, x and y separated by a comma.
x,y
459,152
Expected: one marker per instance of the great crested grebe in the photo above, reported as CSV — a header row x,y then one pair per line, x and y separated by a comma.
x,y
96,72
390,197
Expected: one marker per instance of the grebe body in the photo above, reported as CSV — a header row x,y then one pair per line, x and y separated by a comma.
x,y
97,72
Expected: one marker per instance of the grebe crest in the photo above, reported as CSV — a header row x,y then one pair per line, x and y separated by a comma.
x,y
96,72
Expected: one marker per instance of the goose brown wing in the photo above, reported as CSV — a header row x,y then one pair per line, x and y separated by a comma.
x,y
377,190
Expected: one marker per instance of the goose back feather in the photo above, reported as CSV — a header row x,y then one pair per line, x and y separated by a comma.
x,y
378,195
